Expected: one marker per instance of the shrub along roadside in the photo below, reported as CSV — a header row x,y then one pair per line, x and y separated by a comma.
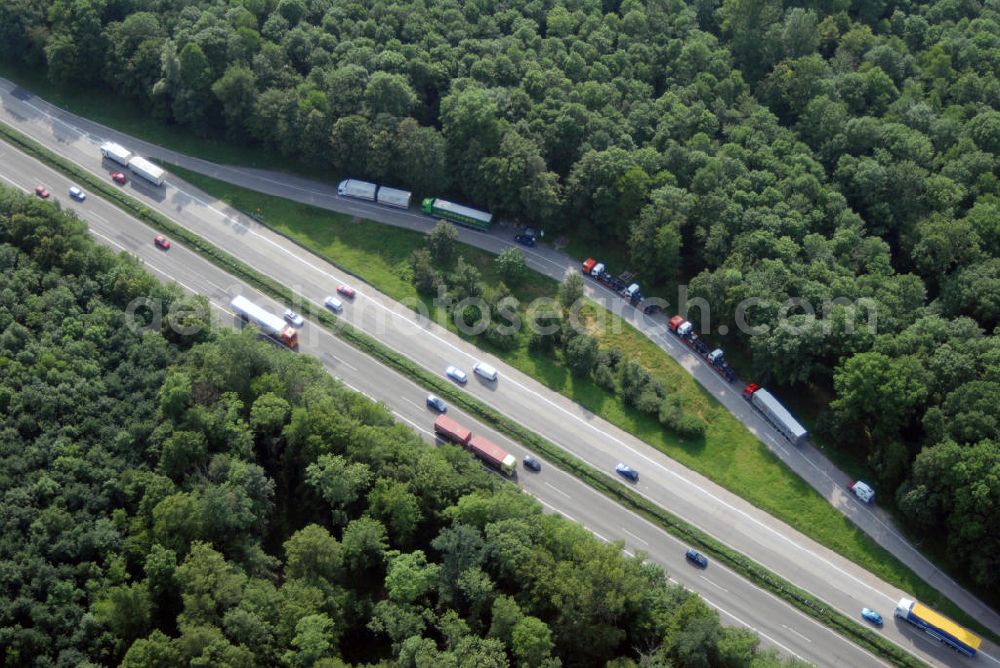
x,y
442,273
598,480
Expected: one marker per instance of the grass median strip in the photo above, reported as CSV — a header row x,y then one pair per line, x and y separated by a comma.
x,y
598,480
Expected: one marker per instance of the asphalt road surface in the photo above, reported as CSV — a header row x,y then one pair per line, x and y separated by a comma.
x,y
685,493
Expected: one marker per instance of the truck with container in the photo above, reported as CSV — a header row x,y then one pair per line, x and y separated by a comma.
x,y
457,213
393,197
938,627
451,431
775,413
357,189
624,284
490,453
147,170
684,330
493,455
116,153
270,324
717,359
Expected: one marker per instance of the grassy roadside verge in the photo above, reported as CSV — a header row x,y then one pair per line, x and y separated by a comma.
x,y
729,455
600,481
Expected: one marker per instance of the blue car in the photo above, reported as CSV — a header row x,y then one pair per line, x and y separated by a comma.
x,y
437,403
527,237
697,558
871,616
627,472
532,463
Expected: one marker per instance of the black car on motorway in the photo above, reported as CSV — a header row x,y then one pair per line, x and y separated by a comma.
x,y
526,237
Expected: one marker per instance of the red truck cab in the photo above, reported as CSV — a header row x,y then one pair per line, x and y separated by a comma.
x,y
588,265
675,322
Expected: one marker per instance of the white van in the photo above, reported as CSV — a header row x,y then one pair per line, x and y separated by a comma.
x,y
484,370
863,491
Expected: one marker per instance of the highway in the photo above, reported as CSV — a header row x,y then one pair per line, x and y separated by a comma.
x,y
685,493
739,603
59,129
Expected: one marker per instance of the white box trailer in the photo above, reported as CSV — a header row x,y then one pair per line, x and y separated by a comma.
x,y
358,189
394,197
268,323
778,416
146,170
116,152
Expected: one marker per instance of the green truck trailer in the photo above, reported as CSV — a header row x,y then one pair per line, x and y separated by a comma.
x,y
457,213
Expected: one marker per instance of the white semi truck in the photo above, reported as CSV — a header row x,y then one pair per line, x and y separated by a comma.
x,y
268,323
372,192
394,197
116,152
775,413
147,170
357,189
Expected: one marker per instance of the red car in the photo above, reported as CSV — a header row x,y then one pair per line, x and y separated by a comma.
x,y
42,192
118,178
345,290
162,241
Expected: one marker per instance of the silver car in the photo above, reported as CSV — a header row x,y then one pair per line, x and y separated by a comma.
x,y
437,403
457,375
294,318
333,304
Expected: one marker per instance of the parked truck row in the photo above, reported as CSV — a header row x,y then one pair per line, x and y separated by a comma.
x,y
684,330
765,402
432,206
135,164
372,192
623,284
487,451
628,288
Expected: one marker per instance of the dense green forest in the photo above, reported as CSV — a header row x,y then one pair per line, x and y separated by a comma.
x,y
213,500
824,149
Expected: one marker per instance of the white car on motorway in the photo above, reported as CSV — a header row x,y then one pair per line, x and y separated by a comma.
x,y
77,194
437,403
333,304
457,375
294,318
